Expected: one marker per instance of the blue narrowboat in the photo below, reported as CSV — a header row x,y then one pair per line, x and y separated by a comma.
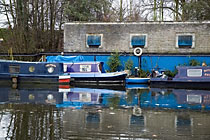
x,y
32,72
93,72
88,72
194,77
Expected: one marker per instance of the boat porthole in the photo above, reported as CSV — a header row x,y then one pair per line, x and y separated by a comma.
x,y
50,69
31,68
31,97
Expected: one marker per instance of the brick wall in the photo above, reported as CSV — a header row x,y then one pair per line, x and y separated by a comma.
x,y
161,36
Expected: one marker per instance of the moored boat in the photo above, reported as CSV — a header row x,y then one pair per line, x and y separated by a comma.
x,y
93,72
195,77
137,80
88,72
32,72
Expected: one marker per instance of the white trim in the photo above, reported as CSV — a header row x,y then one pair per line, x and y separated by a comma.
x,y
135,23
131,35
182,34
64,77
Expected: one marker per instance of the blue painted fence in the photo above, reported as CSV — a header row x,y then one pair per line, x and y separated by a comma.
x,y
149,62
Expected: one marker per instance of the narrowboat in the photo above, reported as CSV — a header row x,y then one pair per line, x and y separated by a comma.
x,y
194,77
32,72
88,72
93,73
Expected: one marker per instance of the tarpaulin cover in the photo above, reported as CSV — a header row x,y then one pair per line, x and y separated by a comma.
x,y
60,58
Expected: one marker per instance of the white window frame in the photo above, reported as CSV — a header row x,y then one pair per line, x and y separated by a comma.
x,y
183,34
190,72
131,35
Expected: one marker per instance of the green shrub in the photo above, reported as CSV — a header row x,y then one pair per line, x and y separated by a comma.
x,y
143,74
194,62
114,62
129,65
171,73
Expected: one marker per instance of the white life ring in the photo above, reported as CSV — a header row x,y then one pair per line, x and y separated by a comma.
x,y
137,51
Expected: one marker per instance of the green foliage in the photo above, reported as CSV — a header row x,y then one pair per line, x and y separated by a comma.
x,y
171,73
197,10
194,62
129,65
114,62
143,74
86,10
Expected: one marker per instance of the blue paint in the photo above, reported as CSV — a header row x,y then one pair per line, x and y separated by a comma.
x,y
170,62
149,62
94,40
185,40
138,40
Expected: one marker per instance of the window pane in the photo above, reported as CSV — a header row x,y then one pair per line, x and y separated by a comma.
x,y
94,40
138,40
185,40
194,72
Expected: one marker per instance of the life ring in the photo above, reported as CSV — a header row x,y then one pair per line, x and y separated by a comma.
x,y
137,51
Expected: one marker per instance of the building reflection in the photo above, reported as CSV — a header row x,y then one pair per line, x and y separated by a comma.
x,y
84,113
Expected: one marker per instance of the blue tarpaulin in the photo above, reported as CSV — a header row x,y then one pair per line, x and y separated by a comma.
x,y
61,58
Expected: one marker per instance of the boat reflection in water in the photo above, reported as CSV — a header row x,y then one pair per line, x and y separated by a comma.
x,y
60,112
28,94
87,97
176,99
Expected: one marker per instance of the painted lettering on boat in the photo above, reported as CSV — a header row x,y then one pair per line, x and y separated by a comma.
x,y
85,68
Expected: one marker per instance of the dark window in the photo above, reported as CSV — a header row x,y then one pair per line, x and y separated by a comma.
x,y
14,69
138,41
185,41
94,41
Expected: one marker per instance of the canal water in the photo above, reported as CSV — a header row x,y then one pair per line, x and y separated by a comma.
x,y
134,112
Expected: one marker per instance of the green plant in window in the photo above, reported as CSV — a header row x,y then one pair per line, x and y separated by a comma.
x,y
114,62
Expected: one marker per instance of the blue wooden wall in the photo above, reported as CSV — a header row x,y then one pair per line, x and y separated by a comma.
x,y
149,62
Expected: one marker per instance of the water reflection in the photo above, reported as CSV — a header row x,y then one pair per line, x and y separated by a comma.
x,y
63,112
176,99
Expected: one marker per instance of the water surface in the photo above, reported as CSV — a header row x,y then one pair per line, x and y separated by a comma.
x,y
134,112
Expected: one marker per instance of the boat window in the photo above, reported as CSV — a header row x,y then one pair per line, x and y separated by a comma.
x,y
31,69
194,98
194,72
50,69
138,40
94,40
14,69
85,68
185,41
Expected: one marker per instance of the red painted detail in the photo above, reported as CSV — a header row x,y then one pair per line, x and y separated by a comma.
x,y
64,86
64,80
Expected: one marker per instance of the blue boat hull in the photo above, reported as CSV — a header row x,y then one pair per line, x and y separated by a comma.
x,y
137,80
120,79
182,85
31,72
